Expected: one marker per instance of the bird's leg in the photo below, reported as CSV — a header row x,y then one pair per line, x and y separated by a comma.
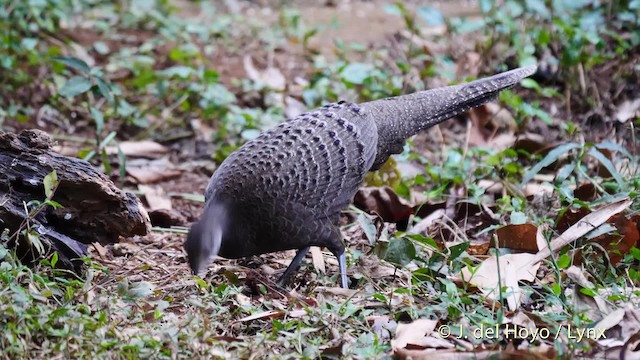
x,y
342,264
294,265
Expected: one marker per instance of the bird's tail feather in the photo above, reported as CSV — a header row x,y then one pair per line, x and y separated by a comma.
x,y
400,117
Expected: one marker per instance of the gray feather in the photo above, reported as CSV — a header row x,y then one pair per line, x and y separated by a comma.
x,y
286,188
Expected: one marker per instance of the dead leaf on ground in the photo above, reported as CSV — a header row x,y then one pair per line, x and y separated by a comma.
x,y
478,247
523,237
270,77
423,225
586,192
593,306
337,291
533,144
151,171
620,327
570,217
487,121
143,149
270,314
167,218
382,325
318,259
417,333
384,202
618,245
581,228
502,271
99,249
155,197
226,338
628,110
529,189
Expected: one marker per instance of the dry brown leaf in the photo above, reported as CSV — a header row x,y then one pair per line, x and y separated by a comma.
x,y
150,171
167,218
533,144
227,338
337,291
628,110
529,189
269,77
618,246
423,225
317,259
478,247
630,323
156,197
382,326
595,305
489,276
521,319
413,333
570,217
99,249
270,314
586,192
384,202
523,237
489,119
297,313
612,319
144,149
581,228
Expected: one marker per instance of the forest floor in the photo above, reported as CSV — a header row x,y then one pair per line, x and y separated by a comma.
x,y
192,82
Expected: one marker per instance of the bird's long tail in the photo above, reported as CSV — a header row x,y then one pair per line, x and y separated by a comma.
x,y
401,117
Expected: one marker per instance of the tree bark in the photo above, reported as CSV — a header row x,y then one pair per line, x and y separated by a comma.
x,y
93,208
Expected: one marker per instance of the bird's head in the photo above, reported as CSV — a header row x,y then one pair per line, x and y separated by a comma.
x,y
205,237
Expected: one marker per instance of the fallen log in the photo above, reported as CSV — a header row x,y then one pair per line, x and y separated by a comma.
x,y
92,208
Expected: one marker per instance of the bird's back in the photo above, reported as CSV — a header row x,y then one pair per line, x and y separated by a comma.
x,y
289,180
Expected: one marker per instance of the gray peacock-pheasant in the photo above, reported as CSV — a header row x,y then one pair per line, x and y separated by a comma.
x,y
286,188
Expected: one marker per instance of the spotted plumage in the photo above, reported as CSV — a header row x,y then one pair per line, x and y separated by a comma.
x,y
286,188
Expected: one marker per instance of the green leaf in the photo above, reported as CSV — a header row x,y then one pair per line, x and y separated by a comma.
x,y
518,218
608,165
54,259
392,9
400,252
183,72
607,144
101,47
565,171
50,184
564,261
529,84
104,158
75,86
588,292
457,250
73,62
122,164
29,43
368,227
424,240
356,73
486,5
98,117
430,15
104,89
551,157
